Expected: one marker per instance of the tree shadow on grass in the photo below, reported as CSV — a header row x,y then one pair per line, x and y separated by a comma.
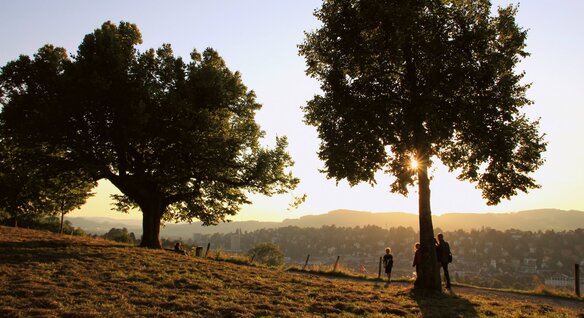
x,y
43,251
436,304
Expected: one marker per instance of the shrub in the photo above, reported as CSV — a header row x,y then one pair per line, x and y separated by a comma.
x,y
120,235
267,253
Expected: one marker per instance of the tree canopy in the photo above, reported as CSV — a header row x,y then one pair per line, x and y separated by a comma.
x,y
422,80
178,139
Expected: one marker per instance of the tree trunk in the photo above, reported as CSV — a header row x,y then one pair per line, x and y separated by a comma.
x,y
429,278
61,228
151,216
151,203
429,273
62,218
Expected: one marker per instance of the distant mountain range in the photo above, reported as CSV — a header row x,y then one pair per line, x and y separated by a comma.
x,y
532,220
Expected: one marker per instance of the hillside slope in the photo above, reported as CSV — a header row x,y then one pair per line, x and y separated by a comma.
x,y
43,274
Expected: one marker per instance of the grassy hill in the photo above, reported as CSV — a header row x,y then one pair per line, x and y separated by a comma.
x,y
44,274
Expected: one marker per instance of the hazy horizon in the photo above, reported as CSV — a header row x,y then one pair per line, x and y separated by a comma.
x,y
136,215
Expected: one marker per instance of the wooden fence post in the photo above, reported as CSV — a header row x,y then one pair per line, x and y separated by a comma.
x,y
306,263
336,264
208,248
252,258
380,258
577,279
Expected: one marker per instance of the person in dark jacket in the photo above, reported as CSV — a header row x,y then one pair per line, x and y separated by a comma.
x,y
388,263
444,257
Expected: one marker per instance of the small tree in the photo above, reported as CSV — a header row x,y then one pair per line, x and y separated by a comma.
x,y
67,191
267,253
409,82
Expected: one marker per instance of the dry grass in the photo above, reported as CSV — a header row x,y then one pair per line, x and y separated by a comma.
x,y
46,275
345,272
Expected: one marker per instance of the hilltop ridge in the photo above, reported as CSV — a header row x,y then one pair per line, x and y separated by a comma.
x,y
531,220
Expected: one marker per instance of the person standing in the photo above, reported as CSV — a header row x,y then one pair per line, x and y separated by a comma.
x,y
178,248
388,263
417,261
444,257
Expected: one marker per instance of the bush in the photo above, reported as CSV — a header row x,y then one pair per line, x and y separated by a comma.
x,y
120,235
267,253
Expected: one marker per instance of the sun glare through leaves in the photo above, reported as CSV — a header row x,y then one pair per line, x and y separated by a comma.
x,y
414,164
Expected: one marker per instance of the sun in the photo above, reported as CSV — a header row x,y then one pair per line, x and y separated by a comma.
x,y
414,164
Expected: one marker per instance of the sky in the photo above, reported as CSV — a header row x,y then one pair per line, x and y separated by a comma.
x,y
259,38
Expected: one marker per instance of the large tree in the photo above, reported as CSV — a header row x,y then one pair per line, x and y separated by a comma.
x,y
421,80
179,140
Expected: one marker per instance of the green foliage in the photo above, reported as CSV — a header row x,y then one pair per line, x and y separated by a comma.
x,y
34,177
34,183
424,79
66,190
53,224
178,139
297,201
267,253
48,223
120,235
19,184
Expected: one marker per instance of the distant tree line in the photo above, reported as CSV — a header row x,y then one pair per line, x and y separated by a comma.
x,y
297,242
487,250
